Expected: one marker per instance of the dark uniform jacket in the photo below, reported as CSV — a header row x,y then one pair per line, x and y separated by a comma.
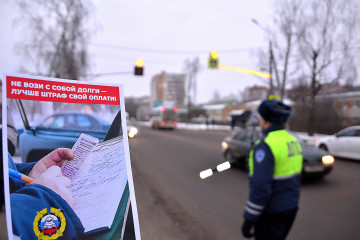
x,y
267,194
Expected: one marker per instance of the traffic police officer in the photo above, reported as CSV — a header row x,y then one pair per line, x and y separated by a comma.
x,y
275,166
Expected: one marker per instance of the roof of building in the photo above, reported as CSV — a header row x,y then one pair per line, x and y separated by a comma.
x,y
256,103
236,112
214,107
343,94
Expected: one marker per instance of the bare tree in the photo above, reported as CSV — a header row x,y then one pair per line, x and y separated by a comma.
x,y
191,69
216,96
57,35
282,41
326,34
314,40
324,123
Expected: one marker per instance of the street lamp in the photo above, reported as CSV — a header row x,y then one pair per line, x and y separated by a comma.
x,y
271,58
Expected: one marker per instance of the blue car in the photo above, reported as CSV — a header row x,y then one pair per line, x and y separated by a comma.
x,y
58,130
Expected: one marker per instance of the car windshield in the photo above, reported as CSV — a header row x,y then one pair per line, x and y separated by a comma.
x,y
348,132
301,140
169,115
75,122
100,120
248,135
35,113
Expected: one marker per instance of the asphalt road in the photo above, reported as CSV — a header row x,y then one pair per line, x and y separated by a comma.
x,y
174,203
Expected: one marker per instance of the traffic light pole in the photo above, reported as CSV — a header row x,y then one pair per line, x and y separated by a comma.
x,y
259,74
214,64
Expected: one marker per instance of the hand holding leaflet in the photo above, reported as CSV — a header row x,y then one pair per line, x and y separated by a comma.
x,y
81,149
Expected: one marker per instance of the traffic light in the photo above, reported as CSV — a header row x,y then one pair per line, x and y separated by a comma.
x,y
139,68
213,60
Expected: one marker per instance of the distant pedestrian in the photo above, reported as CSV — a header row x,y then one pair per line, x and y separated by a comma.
x,y
275,166
207,122
232,123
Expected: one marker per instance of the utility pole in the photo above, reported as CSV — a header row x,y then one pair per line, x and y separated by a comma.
x,y
271,57
271,91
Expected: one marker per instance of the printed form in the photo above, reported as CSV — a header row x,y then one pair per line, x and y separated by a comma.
x,y
98,186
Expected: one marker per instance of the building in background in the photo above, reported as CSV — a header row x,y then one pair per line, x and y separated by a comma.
x,y
143,110
223,112
348,106
255,93
168,89
138,107
346,100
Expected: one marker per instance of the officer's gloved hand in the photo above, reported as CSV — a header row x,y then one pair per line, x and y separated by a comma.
x,y
246,229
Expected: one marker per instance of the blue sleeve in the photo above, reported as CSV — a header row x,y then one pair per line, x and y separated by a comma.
x,y
30,202
20,167
27,211
24,168
261,182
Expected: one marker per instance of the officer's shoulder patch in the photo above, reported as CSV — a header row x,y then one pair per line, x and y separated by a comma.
x,y
259,155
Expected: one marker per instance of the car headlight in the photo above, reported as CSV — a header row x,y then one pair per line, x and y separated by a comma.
x,y
328,159
133,131
224,146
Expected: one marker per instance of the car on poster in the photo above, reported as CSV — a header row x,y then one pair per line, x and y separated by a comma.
x,y
57,130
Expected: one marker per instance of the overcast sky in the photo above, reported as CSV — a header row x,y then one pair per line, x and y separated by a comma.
x,y
189,28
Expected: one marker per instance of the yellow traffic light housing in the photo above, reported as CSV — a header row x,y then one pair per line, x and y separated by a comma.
x,y
213,60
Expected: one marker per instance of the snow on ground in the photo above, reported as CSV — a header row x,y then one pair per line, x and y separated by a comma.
x,y
310,140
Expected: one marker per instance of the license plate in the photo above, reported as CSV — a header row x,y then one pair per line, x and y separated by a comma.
x,y
314,168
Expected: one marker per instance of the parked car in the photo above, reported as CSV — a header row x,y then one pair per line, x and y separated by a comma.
x,y
345,144
236,148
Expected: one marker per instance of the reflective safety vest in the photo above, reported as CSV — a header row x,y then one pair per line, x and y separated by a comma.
x,y
287,154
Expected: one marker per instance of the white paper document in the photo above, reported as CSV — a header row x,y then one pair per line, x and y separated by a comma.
x,y
81,149
98,186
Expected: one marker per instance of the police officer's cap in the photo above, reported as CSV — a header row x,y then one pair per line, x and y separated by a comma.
x,y
274,111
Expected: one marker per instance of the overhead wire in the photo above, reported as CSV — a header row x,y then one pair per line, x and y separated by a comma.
x,y
164,51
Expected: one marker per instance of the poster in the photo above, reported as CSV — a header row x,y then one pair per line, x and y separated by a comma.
x,y
54,114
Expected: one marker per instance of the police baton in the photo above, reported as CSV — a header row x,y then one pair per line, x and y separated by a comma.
x,y
219,168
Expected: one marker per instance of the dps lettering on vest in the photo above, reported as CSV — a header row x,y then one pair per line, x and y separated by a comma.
x,y
286,151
